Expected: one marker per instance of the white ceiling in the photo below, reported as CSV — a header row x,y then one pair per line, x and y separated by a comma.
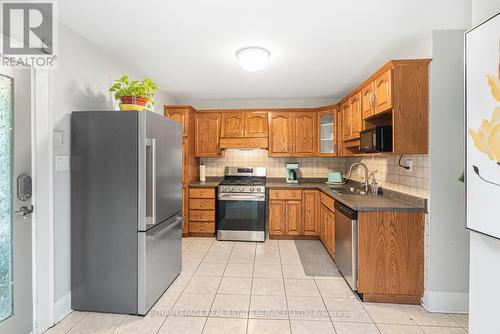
x,y
320,48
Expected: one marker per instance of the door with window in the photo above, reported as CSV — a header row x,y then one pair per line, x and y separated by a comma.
x,y
16,302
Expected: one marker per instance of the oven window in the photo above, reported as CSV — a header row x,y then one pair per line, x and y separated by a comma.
x,y
241,215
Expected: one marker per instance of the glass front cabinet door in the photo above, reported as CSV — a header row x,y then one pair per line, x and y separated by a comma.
x,y
327,132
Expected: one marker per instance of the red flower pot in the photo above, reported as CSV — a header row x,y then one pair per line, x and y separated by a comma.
x,y
140,101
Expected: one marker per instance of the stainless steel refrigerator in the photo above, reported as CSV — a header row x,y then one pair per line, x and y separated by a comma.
x,y
126,203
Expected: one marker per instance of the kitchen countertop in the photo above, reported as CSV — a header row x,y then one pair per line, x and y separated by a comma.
x,y
387,201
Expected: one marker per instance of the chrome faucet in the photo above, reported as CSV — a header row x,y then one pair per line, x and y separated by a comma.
x,y
366,173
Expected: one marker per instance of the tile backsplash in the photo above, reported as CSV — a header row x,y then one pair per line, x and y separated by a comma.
x,y
385,169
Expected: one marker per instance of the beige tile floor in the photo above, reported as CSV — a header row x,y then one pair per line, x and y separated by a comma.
x,y
237,287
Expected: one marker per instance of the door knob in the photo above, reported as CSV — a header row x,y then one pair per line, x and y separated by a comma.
x,y
24,211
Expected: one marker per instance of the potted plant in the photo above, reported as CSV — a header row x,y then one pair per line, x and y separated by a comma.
x,y
134,94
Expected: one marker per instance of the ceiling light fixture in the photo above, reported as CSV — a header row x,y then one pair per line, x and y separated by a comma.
x,y
253,59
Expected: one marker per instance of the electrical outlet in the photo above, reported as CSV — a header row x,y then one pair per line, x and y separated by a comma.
x,y
409,164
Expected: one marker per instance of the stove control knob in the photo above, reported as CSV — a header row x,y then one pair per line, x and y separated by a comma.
x,y
258,190
242,189
252,189
231,189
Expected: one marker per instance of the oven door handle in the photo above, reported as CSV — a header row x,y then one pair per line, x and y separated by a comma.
x,y
242,197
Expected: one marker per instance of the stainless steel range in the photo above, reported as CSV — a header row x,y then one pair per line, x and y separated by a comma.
x,y
241,204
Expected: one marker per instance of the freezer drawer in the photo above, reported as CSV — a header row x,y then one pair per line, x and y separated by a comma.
x,y
159,261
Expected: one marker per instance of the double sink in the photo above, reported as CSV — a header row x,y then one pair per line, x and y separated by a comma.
x,y
349,190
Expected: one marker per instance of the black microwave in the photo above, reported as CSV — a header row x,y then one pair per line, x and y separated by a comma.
x,y
377,139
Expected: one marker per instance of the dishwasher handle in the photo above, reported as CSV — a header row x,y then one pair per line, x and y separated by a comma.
x,y
346,211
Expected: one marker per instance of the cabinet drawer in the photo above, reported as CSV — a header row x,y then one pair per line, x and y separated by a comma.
x,y
201,204
202,215
201,193
199,227
285,194
327,201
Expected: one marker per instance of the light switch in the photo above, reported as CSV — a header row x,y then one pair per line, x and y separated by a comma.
x,y
58,139
62,163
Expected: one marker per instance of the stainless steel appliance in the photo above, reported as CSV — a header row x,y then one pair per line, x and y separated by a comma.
x,y
126,172
377,139
292,170
346,243
241,205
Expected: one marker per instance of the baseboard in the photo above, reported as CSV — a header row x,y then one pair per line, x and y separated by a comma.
x,y
446,302
62,307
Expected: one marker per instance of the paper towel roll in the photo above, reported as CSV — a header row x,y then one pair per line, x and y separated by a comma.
x,y
203,173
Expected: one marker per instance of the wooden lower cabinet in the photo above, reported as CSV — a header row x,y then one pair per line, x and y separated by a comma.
x,y
391,256
185,212
293,217
277,212
285,218
327,224
202,211
310,212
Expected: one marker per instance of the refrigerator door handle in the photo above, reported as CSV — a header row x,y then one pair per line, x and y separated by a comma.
x,y
158,234
151,181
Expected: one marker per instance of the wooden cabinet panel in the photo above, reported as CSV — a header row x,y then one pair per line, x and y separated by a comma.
x,y
411,109
207,134
185,211
202,193
356,117
304,132
310,212
330,232
280,134
368,100
346,120
383,92
391,254
327,201
179,115
323,222
201,204
232,125
327,132
202,227
293,214
285,194
256,124
277,217
202,215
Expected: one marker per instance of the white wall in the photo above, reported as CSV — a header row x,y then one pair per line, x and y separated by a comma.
x,y
447,240
80,82
484,251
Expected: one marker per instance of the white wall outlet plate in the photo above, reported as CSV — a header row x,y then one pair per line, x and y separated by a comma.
x,y
58,138
409,164
62,163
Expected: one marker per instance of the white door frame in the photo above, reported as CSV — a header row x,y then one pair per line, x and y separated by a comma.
x,y
43,200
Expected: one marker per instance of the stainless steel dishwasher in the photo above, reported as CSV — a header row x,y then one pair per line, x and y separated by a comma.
x,y
346,243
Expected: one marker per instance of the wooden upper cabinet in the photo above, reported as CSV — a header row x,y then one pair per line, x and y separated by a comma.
x,y
383,92
346,120
233,125
327,132
256,124
368,100
179,114
304,133
280,134
207,134
356,118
